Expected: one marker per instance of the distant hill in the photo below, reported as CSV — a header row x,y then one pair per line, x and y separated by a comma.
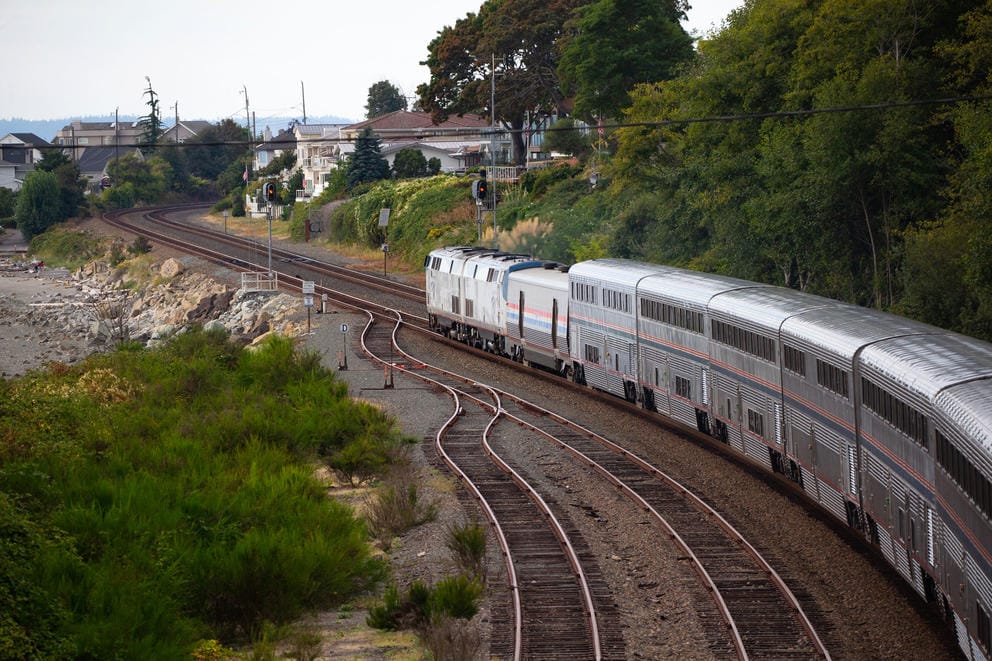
x,y
46,128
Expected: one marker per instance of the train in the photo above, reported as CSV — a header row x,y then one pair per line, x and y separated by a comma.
x,y
884,421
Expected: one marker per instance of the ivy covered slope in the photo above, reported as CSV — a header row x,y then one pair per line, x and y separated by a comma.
x,y
150,499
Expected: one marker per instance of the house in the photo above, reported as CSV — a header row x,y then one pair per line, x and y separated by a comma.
x,y
94,161
76,137
460,142
184,130
273,147
18,154
319,149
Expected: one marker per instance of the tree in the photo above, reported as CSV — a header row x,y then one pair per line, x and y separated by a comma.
x,y
8,202
38,204
513,41
71,185
384,98
366,163
213,150
409,163
565,138
616,44
151,123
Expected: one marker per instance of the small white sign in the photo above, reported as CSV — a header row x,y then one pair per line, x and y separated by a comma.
x,y
344,328
308,286
384,217
308,300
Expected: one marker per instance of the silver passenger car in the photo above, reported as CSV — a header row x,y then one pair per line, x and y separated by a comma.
x,y
537,316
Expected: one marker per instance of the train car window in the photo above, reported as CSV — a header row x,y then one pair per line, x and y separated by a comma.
x,y
454,305
756,422
896,412
795,360
831,377
683,387
469,307
592,354
964,473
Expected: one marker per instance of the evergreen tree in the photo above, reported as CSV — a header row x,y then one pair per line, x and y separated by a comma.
x,y
38,204
384,98
152,122
367,163
409,163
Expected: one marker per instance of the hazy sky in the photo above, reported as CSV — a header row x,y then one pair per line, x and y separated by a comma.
x,y
72,58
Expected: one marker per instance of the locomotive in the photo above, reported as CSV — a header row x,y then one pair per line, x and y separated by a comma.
x,y
884,421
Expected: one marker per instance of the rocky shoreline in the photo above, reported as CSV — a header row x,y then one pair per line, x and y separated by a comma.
x,y
52,315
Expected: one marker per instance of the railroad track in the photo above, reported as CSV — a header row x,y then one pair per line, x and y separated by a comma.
x,y
566,610
246,254
560,607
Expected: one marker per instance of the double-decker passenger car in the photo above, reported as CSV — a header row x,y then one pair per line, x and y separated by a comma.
x,y
885,422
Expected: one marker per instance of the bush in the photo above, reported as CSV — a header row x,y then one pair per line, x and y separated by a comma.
x,y
467,543
61,246
170,499
396,507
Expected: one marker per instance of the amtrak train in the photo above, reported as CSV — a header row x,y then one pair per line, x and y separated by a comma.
x,y
884,421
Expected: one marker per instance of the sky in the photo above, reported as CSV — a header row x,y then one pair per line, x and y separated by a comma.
x,y
78,58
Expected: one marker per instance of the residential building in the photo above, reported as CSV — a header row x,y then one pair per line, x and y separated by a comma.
x,y
273,147
79,135
18,154
319,149
185,130
94,161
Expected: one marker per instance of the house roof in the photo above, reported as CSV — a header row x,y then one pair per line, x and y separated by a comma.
x,y
408,119
95,159
30,139
284,141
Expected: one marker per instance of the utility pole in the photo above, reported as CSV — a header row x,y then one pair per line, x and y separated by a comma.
x,y
492,147
303,95
176,106
117,143
248,128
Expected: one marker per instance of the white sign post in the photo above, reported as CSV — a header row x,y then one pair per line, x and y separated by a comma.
x,y
343,358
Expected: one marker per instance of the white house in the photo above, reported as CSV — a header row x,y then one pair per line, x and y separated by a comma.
x,y
18,154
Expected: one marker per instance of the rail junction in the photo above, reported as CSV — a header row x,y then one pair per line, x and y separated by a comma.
x,y
558,605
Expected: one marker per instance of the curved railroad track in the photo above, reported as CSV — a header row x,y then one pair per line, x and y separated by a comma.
x,y
560,606
761,618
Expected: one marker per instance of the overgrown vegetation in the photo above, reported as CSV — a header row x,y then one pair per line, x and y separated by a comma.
x,y
61,246
151,499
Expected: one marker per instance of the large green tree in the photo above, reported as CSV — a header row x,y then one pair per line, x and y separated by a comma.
x,y
39,204
511,45
213,150
616,44
384,98
366,163
72,186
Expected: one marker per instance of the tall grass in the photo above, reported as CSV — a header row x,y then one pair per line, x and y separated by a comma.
x,y
169,496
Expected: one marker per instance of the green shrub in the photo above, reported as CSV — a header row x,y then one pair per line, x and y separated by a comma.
x,y
60,246
467,543
168,497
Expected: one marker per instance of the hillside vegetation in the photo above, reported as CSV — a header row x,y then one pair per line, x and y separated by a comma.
x,y
150,499
842,148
